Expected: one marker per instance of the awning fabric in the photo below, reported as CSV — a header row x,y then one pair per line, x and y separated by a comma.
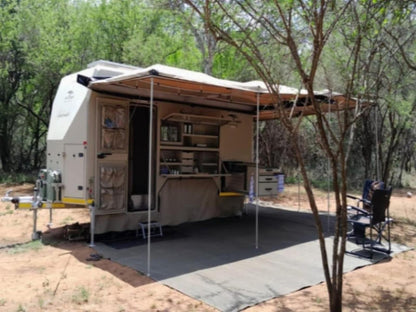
x,y
189,87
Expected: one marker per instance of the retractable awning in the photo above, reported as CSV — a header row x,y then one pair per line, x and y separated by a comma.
x,y
194,88
164,83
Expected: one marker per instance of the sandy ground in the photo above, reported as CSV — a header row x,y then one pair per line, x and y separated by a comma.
x,y
56,275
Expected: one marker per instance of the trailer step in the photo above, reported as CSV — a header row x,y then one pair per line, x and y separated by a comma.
x,y
155,229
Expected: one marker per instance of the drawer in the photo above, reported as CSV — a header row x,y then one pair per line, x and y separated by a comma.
x,y
187,162
268,171
268,178
267,189
187,169
188,155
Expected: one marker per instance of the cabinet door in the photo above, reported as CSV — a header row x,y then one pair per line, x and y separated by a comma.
x,y
112,182
112,157
113,131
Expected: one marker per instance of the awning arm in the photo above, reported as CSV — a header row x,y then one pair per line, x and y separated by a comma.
x,y
149,196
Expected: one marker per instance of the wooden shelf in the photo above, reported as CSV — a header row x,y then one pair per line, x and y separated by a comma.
x,y
198,119
171,143
206,136
189,148
171,163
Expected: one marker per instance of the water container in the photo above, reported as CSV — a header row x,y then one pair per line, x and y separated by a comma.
x,y
280,182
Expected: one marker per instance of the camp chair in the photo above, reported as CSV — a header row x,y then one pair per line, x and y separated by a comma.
x,y
377,219
363,202
368,189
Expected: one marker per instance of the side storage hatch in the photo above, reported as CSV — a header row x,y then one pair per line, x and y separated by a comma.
x,y
74,174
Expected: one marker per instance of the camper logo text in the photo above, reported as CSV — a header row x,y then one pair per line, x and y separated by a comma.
x,y
68,99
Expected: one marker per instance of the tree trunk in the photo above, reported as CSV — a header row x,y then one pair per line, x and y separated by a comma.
x,y
5,150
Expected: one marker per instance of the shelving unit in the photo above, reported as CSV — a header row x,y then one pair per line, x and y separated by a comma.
x,y
194,148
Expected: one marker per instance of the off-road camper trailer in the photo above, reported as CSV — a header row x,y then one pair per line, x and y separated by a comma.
x,y
176,143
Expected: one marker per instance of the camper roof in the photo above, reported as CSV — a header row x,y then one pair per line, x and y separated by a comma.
x,y
189,87
106,69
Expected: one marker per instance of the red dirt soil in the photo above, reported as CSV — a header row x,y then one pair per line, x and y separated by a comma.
x,y
56,276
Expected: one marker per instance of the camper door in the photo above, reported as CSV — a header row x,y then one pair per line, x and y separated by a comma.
x,y
112,156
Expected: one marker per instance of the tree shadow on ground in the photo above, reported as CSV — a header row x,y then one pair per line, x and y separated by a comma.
x,y
84,253
381,299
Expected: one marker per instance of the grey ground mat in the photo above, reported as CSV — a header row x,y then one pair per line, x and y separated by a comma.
x,y
216,262
131,239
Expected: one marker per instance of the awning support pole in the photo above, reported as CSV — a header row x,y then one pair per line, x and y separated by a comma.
x,y
149,196
376,152
257,170
328,173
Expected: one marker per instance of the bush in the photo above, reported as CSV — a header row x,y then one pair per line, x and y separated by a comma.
x,y
17,178
292,179
322,184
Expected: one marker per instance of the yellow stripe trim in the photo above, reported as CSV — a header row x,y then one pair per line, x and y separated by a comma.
x,y
77,201
44,205
25,205
224,194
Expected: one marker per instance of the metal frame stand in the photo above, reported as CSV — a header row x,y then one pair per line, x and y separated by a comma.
x,y
92,224
35,234
49,203
36,203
